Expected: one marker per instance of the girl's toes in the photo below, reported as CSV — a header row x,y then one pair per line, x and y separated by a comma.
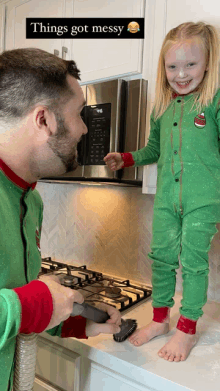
x,y
162,353
171,358
167,356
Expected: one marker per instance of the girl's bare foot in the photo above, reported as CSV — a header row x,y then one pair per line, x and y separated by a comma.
x,y
178,347
146,333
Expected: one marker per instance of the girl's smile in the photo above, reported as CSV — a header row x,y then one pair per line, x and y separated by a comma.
x,y
185,66
183,84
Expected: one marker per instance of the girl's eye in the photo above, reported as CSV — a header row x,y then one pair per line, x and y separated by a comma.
x,y
171,67
191,64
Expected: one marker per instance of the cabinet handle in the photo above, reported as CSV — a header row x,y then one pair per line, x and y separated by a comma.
x,y
64,51
56,52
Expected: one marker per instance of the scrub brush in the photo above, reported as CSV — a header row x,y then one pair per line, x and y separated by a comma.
x,y
128,326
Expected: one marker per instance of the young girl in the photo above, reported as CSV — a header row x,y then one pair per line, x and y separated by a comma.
x,y
184,141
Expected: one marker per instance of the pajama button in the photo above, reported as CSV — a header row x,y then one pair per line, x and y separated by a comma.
x,y
176,180
175,124
175,152
179,100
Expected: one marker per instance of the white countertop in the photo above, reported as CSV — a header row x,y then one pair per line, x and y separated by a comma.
x,y
200,372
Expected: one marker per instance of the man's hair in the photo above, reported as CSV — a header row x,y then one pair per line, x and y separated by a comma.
x,y
205,34
29,77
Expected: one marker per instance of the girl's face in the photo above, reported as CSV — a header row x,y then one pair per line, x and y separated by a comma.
x,y
185,66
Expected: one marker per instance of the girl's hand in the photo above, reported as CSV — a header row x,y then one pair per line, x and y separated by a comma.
x,y
114,161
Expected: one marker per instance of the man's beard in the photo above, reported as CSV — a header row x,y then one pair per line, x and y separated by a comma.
x,y
59,143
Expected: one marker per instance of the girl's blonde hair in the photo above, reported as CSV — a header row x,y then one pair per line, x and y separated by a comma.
x,y
209,38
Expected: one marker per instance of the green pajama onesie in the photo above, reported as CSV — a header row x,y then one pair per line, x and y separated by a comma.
x,y
185,145
21,211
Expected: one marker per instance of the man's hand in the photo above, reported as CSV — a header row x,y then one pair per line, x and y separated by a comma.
x,y
63,299
114,161
110,327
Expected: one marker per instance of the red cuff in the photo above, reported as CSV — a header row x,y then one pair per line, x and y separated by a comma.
x,y
161,314
127,159
74,326
36,307
186,325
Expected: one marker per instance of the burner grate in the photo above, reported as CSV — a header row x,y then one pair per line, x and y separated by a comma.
x,y
93,285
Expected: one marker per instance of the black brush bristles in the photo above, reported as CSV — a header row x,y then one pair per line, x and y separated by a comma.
x,y
128,326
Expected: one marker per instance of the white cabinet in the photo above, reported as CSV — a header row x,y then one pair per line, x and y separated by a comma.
x,y
96,58
39,385
103,379
57,368
101,58
16,13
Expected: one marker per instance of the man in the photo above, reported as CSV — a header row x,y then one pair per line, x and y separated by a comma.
x,y
40,125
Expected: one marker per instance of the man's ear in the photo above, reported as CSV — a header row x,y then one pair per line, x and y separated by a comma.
x,y
44,122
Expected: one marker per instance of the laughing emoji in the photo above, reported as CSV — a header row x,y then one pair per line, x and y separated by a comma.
x,y
133,27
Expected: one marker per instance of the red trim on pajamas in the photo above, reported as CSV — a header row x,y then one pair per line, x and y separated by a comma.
x,y
161,314
188,326
127,159
36,307
15,178
74,326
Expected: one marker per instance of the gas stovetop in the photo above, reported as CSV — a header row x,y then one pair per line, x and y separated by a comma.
x,y
97,287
